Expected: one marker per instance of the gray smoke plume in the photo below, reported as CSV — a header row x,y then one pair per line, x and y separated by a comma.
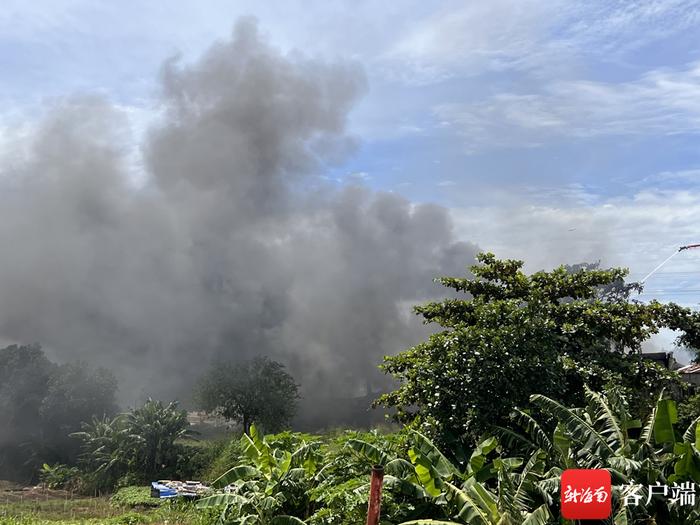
x,y
231,244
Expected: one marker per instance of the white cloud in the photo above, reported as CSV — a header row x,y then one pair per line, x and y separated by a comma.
x,y
31,20
661,102
471,38
614,28
687,177
637,232
358,176
570,195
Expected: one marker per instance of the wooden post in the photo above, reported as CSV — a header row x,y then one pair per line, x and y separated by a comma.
x,y
375,495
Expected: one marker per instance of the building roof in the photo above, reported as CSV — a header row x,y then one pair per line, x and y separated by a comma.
x,y
657,356
664,358
693,368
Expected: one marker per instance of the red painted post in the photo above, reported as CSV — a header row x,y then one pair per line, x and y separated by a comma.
x,y
375,495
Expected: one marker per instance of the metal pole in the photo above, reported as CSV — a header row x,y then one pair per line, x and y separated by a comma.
x,y
375,495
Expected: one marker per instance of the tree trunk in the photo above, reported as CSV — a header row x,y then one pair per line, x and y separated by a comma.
x,y
375,495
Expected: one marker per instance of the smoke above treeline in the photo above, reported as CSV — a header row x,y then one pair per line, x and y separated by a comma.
x,y
229,244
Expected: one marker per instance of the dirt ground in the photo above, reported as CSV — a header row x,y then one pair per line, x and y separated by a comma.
x,y
12,492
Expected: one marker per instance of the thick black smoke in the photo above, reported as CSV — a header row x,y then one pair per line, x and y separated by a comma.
x,y
231,243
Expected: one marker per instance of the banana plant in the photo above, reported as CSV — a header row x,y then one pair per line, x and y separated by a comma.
x,y
273,481
491,491
603,435
464,497
107,450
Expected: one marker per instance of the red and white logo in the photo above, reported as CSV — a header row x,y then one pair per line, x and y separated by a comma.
x,y
586,494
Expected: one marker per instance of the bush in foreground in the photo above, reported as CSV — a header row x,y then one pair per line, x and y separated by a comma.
x,y
134,497
512,477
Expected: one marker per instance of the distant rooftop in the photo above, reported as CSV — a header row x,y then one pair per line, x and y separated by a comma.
x,y
693,368
664,358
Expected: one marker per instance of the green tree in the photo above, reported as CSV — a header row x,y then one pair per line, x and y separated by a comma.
x,y
135,447
24,374
258,391
107,450
74,394
41,403
689,410
157,428
513,335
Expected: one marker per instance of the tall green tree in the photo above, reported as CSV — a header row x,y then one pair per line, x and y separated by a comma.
x,y
158,427
507,335
24,375
258,391
134,447
41,403
75,393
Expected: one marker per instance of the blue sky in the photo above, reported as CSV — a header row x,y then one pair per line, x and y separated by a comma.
x,y
555,131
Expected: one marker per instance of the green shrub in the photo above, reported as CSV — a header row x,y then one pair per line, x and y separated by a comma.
x,y
137,447
60,476
135,497
228,454
195,458
131,518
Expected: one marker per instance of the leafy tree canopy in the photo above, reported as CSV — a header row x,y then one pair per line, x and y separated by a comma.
x,y
135,447
257,391
24,375
41,403
74,394
507,335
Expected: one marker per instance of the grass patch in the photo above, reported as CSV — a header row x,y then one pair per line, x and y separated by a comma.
x,y
101,511
135,497
59,509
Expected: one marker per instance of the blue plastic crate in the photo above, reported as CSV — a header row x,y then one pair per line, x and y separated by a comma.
x,y
159,490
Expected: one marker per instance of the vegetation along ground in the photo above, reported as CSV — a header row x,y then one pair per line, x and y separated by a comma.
x,y
474,440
